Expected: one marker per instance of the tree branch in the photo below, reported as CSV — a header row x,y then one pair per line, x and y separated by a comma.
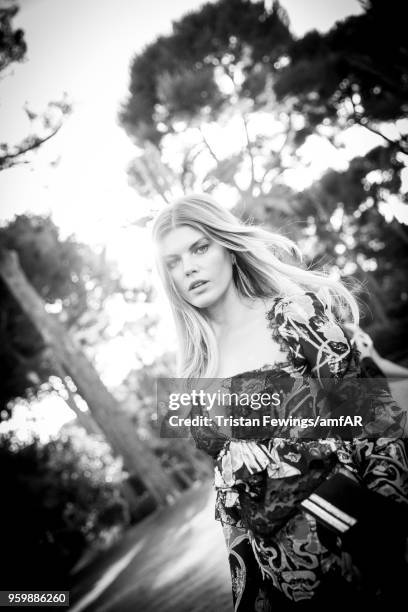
x,y
249,151
208,146
402,146
279,166
6,161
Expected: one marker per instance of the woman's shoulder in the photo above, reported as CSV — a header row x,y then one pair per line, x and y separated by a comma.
x,y
300,306
306,316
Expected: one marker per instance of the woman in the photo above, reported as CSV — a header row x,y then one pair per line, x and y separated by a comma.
x,y
254,323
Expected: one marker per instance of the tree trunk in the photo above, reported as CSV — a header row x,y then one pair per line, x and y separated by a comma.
x,y
119,432
84,418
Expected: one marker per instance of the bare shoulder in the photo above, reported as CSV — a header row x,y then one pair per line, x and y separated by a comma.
x,y
259,308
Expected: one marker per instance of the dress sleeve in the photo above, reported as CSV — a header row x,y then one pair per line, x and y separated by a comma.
x,y
318,345
322,350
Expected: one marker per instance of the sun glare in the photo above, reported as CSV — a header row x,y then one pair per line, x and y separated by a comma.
x,y
79,176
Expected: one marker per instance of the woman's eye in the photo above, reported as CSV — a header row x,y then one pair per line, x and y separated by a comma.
x,y
172,264
201,249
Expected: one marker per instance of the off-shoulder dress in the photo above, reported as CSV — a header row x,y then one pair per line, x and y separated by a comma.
x,y
287,565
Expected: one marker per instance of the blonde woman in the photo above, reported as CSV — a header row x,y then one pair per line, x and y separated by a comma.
x,y
255,323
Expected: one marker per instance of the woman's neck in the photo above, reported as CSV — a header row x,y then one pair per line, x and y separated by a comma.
x,y
230,311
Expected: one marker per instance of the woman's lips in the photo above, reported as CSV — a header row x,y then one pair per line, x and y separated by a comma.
x,y
198,287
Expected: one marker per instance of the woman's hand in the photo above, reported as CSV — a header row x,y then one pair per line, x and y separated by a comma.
x,y
361,340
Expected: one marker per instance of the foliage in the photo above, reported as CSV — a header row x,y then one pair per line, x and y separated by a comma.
x,y
61,497
138,395
341,79
346,76
73,281
12,44
207,83
221,36
44,127
346,211
13,49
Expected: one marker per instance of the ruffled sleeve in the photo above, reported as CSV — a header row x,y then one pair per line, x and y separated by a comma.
x,y
317,343
321,350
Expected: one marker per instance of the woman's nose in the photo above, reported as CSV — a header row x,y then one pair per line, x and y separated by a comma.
x,y
189,266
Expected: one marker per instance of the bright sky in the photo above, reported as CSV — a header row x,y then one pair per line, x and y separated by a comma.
x,y
83,48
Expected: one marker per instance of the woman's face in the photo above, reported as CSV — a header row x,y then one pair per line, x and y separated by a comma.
x,y
201,268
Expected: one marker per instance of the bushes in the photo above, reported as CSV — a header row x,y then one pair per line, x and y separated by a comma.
x,y
57,499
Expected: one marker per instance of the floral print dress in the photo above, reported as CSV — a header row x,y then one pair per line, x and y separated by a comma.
x,y
283,564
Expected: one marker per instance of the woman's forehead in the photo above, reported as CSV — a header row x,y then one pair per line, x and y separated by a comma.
x,y
179,239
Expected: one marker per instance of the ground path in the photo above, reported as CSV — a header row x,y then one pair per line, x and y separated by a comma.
x,y
174,561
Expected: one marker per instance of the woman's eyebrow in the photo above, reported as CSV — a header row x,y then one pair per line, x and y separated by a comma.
x,y
190,248
196,242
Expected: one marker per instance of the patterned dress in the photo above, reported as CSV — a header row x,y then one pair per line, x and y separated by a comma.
x,y
277,560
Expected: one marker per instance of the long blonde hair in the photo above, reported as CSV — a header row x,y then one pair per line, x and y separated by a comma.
x,y
262,273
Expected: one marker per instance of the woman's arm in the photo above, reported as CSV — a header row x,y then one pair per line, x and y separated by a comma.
x,y
378,463
390,368
381,459
365,345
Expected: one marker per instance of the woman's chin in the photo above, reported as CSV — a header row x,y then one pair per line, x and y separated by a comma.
x,y
203,301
